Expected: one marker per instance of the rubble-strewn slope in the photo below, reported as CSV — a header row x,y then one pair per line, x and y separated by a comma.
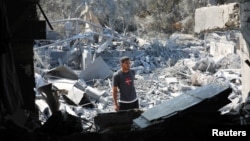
x,y
146,17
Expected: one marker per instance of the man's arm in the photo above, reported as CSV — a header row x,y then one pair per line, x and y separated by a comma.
x,y
114,93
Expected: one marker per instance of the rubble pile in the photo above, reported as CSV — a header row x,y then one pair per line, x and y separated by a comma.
x,y
231,61
77,71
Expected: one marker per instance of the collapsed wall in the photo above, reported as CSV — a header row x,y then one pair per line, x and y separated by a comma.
x,y
245,47
165,70
222,17
233,16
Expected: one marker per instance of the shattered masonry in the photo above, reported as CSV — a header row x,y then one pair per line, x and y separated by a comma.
x,y
80,67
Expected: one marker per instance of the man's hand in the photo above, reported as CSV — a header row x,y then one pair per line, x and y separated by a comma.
x,y
115,91
117,107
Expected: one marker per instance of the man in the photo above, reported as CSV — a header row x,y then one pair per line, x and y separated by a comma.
x,y
123,80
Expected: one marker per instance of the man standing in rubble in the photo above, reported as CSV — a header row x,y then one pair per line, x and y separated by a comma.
x,y
123,80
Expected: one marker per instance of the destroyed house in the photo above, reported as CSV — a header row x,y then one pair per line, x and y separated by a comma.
x,y
56,76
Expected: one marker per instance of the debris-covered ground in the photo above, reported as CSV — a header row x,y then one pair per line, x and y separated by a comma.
x,y
74,74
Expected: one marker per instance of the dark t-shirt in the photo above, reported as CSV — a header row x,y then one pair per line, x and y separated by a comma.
x,y
125,83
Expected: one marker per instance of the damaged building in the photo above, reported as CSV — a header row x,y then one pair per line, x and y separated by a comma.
x,y
57,73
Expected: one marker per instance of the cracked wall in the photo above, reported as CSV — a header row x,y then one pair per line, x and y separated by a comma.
x,y
245,47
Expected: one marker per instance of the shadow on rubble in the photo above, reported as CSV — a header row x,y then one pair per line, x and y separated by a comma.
x,y
62,126
187,120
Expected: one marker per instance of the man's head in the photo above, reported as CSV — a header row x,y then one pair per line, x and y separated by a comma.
x,y
125,63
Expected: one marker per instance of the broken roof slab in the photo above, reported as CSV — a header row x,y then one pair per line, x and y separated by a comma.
x,y
207,98
63,72
96,70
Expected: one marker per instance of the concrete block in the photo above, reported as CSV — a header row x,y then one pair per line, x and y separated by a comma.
x,y
245,69
86,59
39,80
221,48
81,84
57,54
245,48
74,94
217,17
171,80
245,24
94,93
43,107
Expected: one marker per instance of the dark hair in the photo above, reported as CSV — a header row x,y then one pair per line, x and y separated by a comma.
x,y
124,58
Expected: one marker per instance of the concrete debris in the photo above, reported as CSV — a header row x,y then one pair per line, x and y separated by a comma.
x,y
72,92
81,84
205,65
39,81
94,93
164,69
219,48
86,58
222,43
51,97
62,72
195,100
183,40
230,61
224,17
44,110
97,70
102,47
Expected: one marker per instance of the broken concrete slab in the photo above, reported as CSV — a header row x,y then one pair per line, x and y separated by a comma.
x,y
229,61
62,72
73,93
199,99
244,41
57,54
116,121
244,13
171,80
43,108
81,84
39,80
63,84
94,93
50,96
102,47
205,65
150,81
221,48
96,70
86,58
217,17
147,68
